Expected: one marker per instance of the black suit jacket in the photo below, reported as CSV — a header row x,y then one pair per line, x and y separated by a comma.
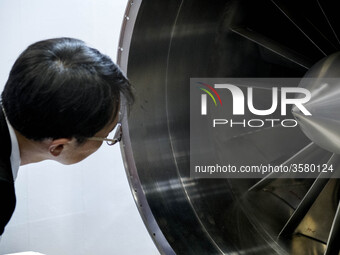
x,y
7,193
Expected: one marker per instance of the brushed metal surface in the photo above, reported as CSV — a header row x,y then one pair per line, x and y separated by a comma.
x,y
163,45
323,126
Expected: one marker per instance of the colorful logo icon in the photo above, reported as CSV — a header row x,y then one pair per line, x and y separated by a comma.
x,y
204,97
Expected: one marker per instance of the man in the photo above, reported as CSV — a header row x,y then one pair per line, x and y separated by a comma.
x,y
60,102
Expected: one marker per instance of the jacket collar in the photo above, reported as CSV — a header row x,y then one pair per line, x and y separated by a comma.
x,y
5,150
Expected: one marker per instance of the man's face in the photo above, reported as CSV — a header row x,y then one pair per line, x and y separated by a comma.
x,y
73,152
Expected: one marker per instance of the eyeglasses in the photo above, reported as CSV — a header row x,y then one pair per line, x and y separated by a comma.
x,y
117,137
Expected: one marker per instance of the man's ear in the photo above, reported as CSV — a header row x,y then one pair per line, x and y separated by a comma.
x,y
57,146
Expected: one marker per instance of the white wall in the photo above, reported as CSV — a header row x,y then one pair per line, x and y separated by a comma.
x,y
87,208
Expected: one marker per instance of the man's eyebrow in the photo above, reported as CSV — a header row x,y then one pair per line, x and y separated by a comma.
x,y
113,127
116,114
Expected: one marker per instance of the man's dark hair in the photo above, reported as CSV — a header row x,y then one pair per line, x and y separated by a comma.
x,y
63,88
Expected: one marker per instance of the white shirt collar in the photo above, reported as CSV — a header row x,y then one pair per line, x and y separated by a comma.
x,y
15,154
